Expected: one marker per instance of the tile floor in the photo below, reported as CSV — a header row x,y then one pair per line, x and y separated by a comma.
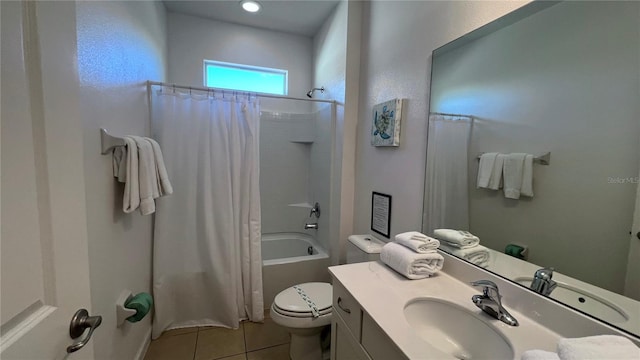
x,y
252,341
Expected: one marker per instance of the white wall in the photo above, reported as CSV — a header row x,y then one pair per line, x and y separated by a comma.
x,y
193,39
397,41
553,82
120,46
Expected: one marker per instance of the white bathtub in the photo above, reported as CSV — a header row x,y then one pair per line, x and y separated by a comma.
x,y
286,262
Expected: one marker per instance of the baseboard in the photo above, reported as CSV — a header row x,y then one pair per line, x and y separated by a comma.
x,y
144,346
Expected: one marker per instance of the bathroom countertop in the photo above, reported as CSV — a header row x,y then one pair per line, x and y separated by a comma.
x,y
383,294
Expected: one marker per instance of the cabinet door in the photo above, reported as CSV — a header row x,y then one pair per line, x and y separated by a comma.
x,y
343,345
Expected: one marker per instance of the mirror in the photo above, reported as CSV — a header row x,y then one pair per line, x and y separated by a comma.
x,y
561,80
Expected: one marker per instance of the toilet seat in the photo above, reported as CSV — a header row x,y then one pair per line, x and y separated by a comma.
x,y
290,303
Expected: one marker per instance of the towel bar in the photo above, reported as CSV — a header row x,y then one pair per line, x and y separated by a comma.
x,y
544,159
109,141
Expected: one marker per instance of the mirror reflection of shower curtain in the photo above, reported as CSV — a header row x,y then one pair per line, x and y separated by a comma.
x,y
207,264
446,183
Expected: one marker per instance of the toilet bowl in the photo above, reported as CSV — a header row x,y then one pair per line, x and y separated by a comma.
x,y
292,311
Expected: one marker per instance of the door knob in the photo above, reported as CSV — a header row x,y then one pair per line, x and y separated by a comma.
x,y
79,322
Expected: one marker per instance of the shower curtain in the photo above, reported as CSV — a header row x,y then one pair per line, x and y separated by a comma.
x,y
446,185
207,265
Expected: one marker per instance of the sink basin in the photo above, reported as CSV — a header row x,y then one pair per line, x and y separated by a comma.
x,y
584,301
455,330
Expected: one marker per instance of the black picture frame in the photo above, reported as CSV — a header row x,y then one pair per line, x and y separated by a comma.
x,y
381,213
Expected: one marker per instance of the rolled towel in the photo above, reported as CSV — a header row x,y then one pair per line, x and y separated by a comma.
x,y
598,347
456,238
409,263
539,355
478,255
419,246
412,235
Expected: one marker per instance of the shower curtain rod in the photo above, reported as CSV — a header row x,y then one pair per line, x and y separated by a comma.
x,y
460,115
174,86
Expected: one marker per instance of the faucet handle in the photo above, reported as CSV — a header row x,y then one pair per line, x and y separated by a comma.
x,y
487,287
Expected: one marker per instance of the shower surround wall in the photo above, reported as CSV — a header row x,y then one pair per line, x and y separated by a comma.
x,y
120,46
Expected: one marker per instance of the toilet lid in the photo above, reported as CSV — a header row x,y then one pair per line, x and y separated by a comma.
x,y
290,301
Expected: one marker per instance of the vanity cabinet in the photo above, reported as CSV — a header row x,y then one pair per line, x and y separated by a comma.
x,y
354,334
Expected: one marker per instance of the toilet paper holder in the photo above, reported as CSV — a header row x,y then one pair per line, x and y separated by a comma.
x,y
122,313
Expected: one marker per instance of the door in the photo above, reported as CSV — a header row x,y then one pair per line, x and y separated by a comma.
x,y
44,258
632,289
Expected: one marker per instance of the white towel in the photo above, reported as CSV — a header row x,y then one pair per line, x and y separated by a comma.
x,y
120,163
495,182
456,238
412,235
485,169
478,255
539,355
131,197
420,246
527,176
147,176
162,178
513,171
411,264
598,347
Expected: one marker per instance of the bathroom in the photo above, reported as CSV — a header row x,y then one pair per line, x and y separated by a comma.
x,y
363,53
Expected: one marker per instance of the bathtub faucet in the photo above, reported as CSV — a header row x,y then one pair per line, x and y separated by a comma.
x,y
311,226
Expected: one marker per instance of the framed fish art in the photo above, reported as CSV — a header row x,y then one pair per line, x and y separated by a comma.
x,y
385,128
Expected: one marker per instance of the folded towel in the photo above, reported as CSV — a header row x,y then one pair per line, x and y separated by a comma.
x,y
412,235
147,175
478,255
598,347
539,355
162,178
527,176
485,169
513,171
495,182
409,263
131,197
456,238
420,246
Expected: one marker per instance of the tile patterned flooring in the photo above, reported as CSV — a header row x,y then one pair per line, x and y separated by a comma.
x,y
252,341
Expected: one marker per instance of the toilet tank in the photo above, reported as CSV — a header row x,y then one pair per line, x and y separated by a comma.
x,y
361,248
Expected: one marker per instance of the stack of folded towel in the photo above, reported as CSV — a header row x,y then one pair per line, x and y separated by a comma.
x,y
592,347
413,255
140,165
463,244
516,169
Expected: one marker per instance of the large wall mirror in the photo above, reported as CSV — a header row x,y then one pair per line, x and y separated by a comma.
x,y
559,81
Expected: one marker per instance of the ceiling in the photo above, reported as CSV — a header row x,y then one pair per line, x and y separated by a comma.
x,y
302,17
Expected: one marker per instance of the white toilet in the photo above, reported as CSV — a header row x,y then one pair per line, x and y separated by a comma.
x,y
291,308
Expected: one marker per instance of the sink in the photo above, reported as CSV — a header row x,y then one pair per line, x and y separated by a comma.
x,y
584,301
454,330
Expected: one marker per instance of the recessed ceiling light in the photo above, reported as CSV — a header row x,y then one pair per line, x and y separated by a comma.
x,y
251,6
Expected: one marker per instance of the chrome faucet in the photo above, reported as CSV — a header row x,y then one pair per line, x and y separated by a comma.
x,y
490,302
542,283
311,226
315,210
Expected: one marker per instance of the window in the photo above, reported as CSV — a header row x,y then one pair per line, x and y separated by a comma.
x,y
244,77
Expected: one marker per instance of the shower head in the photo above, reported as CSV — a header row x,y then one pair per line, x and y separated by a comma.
x,y
310,92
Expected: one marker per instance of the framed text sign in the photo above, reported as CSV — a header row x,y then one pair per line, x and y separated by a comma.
x,y
381,213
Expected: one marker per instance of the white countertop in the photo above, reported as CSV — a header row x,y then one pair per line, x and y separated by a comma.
x,y
383,294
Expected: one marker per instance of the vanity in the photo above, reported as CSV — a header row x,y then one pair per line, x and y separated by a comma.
x,y
380,315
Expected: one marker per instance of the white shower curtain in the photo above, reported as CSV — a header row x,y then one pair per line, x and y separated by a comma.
x,y
207,263
447,184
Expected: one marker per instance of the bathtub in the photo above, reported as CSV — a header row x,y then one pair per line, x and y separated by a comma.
x,y
289,259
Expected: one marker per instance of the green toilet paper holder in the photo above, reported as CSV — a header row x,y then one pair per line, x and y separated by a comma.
x,y
122,313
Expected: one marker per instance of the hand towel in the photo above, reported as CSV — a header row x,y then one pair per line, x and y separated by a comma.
x,y
539,355
512,171
478,255
146,175
131,197
412,235
409,263
598,347
120,163
456,238
495,182
485,169
162,178
417,242
527,176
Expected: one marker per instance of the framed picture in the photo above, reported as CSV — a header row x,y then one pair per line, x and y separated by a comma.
x,y
385,128
381,213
